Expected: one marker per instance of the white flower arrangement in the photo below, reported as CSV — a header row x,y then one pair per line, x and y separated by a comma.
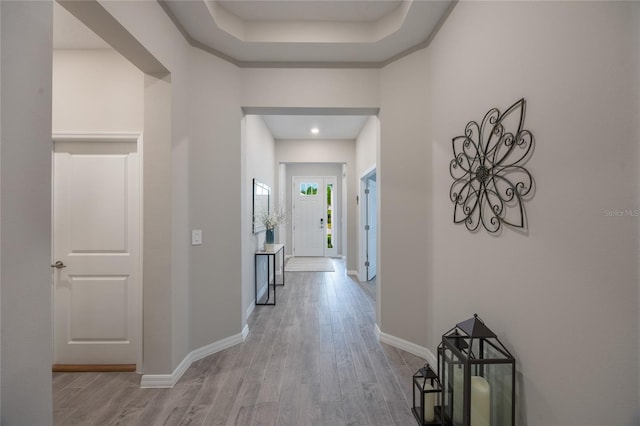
x,y
273,219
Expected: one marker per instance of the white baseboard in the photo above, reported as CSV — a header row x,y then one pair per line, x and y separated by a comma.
x,y
169,380
250,309
407,346
353,273
245,332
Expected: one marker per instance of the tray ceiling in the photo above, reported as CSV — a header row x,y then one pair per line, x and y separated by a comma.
x,y
342,33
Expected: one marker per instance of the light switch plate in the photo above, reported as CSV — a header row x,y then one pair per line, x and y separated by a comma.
x,y
196,237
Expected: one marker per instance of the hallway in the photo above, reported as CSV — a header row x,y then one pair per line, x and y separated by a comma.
x,y
313,359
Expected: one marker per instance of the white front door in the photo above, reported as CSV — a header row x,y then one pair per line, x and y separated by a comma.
x,y
315,229
371,227
96,215
308,218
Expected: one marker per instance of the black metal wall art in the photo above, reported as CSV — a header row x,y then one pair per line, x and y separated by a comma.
x,y
490,181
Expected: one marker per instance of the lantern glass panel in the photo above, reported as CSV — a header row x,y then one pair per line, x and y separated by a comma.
x,y
426,392
500,380
474,347
417,397
453,392
490,350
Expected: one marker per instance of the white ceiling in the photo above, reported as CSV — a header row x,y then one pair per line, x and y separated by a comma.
x,y
363,33
318,10
331,127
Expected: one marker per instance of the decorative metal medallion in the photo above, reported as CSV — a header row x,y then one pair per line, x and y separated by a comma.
x,y
490,181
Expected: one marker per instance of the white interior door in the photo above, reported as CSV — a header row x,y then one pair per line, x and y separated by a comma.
x,y
96,216
308,218
371,227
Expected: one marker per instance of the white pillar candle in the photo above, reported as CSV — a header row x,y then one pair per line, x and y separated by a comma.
x,y
428,413
480,402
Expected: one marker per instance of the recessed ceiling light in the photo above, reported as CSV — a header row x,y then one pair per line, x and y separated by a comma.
x,y
315,130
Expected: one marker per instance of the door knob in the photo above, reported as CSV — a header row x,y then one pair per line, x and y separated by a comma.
x,y
58,265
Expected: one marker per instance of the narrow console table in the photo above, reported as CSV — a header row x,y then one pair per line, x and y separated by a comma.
x,y
271,266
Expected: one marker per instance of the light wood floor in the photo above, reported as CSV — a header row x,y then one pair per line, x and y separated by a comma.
x,y
313,359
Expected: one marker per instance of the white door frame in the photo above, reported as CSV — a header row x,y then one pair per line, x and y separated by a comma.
x,y
110,137
362,235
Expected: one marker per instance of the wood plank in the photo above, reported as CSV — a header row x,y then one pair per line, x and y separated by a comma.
x,y
351,394
194,415
270,386
289,403
401,413
242,411
142,407
89,402
375,405
309,413
265,413
329,382
225,399
387,380
332,414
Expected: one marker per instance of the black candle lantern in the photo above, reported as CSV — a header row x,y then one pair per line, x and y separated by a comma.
x,y
426,396
478,377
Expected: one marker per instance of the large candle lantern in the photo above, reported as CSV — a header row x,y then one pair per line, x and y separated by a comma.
x,y
478,376
426,397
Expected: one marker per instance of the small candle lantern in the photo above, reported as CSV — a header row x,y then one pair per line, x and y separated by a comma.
x,y
478,377
426,396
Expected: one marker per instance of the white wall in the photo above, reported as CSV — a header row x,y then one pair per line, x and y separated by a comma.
x,y
258,162
315,88
366,146
216,190
330,151
164,330
564,295
0,222
25,244
636,57
404,188
96,90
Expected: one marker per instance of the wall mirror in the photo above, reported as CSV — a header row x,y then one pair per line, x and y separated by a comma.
x,y
261,194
